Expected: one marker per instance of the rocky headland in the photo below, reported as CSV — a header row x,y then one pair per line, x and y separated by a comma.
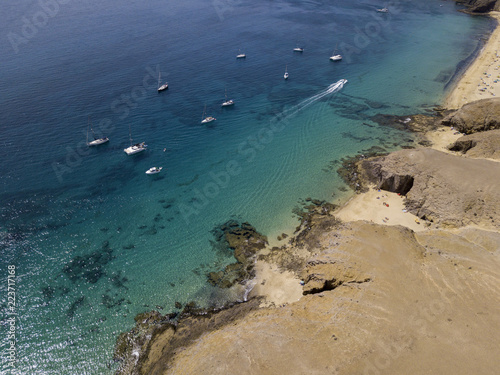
x,y
402,279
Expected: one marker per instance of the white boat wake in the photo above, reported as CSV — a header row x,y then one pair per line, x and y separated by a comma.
x,y
333,88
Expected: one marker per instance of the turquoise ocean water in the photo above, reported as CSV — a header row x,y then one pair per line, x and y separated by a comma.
x,y
94,239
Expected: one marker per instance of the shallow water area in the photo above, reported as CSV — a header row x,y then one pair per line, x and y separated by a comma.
x,y
94,239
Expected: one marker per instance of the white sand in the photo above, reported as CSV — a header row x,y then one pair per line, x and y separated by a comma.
x,y
370,206
482,78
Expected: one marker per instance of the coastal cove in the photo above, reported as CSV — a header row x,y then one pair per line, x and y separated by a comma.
x,y
252,206
386,283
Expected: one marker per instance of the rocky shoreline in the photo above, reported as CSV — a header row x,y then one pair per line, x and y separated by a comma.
x,y
375,298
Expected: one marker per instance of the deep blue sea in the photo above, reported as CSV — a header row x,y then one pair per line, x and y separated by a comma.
x,y
94,240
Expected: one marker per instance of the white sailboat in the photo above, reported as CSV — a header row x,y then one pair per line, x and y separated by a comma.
x,y
96,141
383,10
134,148
160,86
335,56
286,72
240,55
227,102
154,170
206,120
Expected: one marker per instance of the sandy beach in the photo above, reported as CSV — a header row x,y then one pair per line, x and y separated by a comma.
x,y
380,207
482,78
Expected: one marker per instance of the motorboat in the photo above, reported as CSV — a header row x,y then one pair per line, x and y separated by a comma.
x,y
154,170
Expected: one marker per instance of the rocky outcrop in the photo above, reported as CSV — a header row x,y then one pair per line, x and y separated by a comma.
x,y
244,240
479,145
132,346
481,6
415,123
324,274
481,115
151,344
444,189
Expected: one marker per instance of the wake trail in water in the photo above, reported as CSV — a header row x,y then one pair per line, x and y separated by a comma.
x,y
333,88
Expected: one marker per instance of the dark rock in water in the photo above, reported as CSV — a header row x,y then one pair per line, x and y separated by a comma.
x,y
480,6
178,305
151,231
128,247
48,292
215,278
75,305
118,280
414,123
191,308
314,219
90,267
478,116
109,302
245,242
